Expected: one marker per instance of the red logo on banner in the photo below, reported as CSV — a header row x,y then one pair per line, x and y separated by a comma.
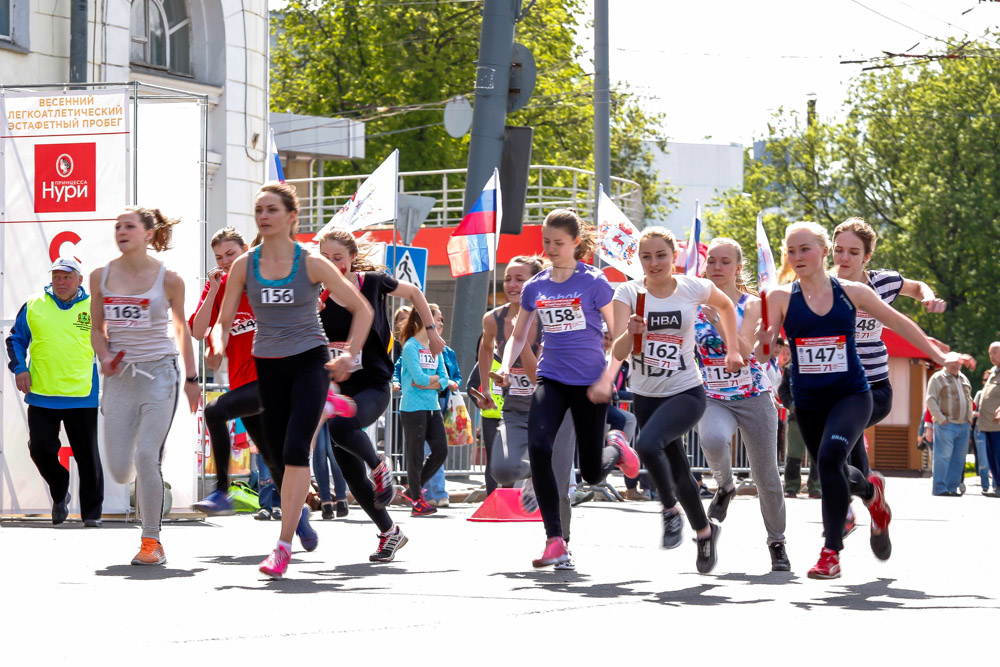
x,y
65,178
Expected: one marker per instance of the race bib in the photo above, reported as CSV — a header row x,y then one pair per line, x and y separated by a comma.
x,y
520,383
126,311
427,360
662,351
341,349
277,296
866,327
561,315
822,355
241,326
717,377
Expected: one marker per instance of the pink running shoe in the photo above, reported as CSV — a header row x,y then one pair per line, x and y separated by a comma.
x,y
338,405
276,564
881,515
628,460
555,552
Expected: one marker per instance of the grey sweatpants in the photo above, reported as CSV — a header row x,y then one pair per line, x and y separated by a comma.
x,y
138,407
509,462
757,420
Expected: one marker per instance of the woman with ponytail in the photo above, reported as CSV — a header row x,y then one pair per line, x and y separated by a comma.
x,y
137,343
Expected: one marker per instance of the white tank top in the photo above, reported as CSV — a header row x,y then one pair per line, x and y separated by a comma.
x,y
138,323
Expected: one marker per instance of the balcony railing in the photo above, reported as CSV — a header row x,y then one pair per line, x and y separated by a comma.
x,y
549,187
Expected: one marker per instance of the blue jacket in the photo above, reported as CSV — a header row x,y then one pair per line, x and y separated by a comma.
x,y
18,343
411,372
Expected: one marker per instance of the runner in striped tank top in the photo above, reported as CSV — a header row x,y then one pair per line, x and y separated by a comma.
x,y
853,244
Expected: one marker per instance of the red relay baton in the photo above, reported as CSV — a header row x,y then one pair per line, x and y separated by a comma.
x,y
640,310
117,360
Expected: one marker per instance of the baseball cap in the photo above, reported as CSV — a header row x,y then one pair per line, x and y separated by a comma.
x,y
64,264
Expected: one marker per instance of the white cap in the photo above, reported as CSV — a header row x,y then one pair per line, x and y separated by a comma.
x,y
64,264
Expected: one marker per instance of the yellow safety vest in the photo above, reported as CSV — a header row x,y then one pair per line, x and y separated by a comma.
x,y
497,394
62,359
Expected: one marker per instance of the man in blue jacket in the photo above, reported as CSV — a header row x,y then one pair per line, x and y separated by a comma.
x,y
53,365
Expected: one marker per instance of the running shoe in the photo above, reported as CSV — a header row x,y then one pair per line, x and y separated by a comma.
x,y
555,552
529,502
422,508
719,507
307,536
628,460
440,502
779,557
150,553
263,514
828,566
581,496
342,509
791,494
881,515
385,488
388,544
276,564
338,405
567,564
850,523
636,494
673,529
217,503
276,514
327,509
708,555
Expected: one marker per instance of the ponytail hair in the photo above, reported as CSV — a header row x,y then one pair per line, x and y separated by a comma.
x,y
153,219
360,253
289,198
412,325
571,223
228,234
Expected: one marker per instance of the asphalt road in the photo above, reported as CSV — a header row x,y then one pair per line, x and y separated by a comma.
x,y
463,592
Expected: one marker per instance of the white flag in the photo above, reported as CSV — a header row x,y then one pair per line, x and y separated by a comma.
x,y
617,238
373,203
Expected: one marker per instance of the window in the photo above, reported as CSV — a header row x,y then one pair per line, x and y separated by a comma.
x,y
5,12
161,35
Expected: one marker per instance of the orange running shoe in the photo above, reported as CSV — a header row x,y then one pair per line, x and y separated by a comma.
x,y
151,553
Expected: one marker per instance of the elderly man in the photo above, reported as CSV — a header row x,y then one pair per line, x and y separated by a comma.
x,y
989,416
53,365
949,399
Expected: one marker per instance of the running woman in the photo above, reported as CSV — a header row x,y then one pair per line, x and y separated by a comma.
x,y
660,311
282,283
368,386
137,344
571,299
740,401
830,391
242,400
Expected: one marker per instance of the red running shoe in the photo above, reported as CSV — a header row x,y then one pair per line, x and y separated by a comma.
x,y
828,566
422,508
555,552
881,516
338,405
628,460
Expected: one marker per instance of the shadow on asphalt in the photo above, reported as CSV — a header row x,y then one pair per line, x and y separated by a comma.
x,y
568,581
71,524
872,596
333,579
769,579
146,572
697,596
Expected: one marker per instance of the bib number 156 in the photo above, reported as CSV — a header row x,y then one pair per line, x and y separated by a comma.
x,y
277,295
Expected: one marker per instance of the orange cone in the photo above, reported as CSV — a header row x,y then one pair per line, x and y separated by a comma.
x,y
504,505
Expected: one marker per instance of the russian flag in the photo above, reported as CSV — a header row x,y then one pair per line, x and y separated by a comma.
x,y
274,170
472,247
691,266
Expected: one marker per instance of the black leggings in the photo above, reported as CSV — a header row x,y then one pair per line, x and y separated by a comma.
x,y
549,404
830,434
243,403
293,392
419,427
353,450
663,421
881,406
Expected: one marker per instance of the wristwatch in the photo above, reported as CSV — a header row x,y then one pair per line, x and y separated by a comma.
x,y
430,326
194,378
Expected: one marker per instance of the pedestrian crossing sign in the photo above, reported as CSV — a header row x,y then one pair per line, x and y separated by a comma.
x,y
408,263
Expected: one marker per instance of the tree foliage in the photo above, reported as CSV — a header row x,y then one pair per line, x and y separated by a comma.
x,y
918,156
395,67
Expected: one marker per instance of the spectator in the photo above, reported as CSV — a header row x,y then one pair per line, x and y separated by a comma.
x,y
435,491
59,382
989,417
949,399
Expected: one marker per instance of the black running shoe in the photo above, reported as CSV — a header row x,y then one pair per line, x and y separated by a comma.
x,y
342,509
708,556
388,544
673,527
779,557
719,506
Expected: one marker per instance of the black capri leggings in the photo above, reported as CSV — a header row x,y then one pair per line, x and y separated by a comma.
x,y
293,392
830,434
663,421
418,427
240,403
549,404
881,406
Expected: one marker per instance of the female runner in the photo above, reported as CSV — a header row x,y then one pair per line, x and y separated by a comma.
x,y
282,282
369,384
667,388
829,387
570,298
742,401
130,298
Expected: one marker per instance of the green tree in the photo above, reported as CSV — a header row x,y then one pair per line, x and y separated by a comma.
x,y
395,67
